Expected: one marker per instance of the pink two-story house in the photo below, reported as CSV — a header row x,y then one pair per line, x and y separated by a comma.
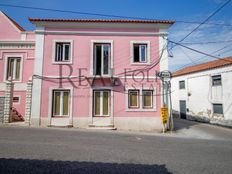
x,y
92,73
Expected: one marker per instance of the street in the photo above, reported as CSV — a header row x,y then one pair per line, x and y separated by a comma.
x,y
192,148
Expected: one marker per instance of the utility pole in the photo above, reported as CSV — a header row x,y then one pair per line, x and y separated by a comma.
x,y
166,110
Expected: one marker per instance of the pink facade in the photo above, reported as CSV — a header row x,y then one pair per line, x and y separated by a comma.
x,y
92,73
15,42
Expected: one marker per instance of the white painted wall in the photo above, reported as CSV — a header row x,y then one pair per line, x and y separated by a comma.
x,y
200,94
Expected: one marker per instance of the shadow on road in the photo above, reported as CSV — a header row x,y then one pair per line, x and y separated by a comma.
x,y
183,124
28,166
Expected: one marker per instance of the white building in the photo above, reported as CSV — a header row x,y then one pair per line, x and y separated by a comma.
x,y
203,92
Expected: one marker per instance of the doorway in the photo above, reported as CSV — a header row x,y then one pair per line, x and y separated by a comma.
x,y
182,109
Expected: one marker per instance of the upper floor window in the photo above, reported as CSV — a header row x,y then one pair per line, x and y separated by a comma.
x,y
63,51
140,53
216,80
13,68
182,84
102,52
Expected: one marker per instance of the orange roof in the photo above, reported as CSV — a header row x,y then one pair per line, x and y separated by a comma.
x,y
204,66
103,20
15,23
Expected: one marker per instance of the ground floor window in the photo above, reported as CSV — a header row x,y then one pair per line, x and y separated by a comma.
x,y
133,98
217,109
61,102
147,98
140,99
13,68
101,102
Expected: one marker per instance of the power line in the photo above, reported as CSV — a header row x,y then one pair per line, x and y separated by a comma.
x,y
214,13
200,52
190,64
201,43
105,15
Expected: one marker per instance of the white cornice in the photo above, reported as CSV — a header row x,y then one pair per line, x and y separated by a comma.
x,y
103,33
17,42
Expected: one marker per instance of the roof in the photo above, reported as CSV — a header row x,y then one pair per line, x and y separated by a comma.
x,y
103,21
14,22
204,66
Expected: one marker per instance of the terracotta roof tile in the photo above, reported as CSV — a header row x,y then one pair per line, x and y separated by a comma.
x,y
103,20
204,66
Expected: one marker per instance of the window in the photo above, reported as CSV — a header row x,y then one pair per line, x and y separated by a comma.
x,y
63,51
147,98
102,59
133,98
101,103
140,53
217,109
216,80
61,102
15,99
182,84
13,68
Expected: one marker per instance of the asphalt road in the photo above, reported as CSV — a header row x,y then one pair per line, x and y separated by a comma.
x,y
192,149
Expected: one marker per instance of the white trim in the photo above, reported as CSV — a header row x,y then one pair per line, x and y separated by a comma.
x,y
101,102
111,55
104,33
50,104
23,36
148,52
140,108
111,116
6,57
54,51
38,70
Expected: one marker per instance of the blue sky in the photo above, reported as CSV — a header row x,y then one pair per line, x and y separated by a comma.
x,y
184,10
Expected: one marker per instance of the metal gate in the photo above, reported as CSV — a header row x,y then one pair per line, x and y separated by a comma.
x,y
1,109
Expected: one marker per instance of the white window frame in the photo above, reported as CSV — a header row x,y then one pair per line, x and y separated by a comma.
x,y
61,102
152,96
92,62
147,53
133,107
140,108
70,52
6,67
101,103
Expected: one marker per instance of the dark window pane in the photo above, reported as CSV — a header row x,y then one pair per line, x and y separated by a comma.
x,y
98,59
216,80
106,49
67,47
217,109
182,84
136,53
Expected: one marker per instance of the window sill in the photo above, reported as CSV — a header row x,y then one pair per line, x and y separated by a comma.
x,y
98,116
61,63
140,64
141,110
60,116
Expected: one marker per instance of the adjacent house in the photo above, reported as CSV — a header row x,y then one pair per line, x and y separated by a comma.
x,y
203,92
17,51
91,73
